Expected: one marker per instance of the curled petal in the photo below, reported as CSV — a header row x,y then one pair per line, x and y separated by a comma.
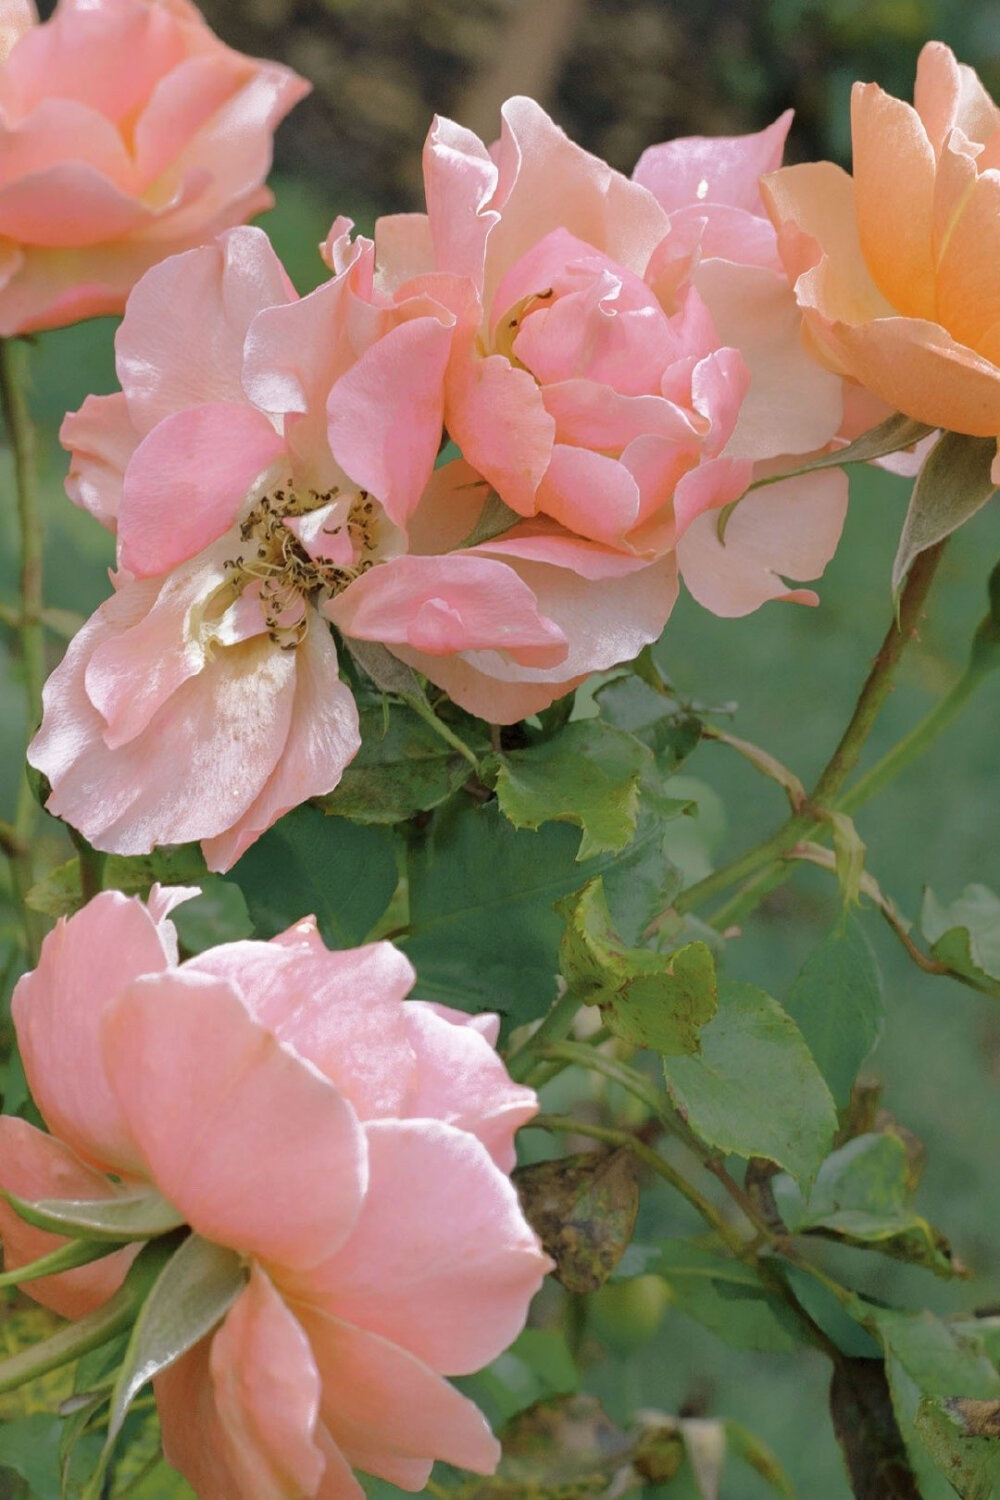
x,y
101,439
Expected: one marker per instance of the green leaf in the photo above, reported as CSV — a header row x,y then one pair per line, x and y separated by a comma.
x,y
728,1297
66,1258
755,1090
402,768
861,1196
926,1358
966,934
816,1300
494,519
952,485
193,1292
583,1209
136,1216
670,731
649,999
28,1448
891,436
72,1340
836,1001
963,1438
587,774
484,931
343,873
60,894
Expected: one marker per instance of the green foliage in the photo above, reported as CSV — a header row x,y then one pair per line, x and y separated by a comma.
x,y
341,872
583,1209
966,934
484,932
837,1003
862,1196
648,999
402,768
59,894
928,1361
193,1292
135,1216
954,482
587,774
754,1089
727,1296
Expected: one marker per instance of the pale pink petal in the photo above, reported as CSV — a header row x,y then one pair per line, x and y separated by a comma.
x,y
591,415
708,487
187,480
322,738
440,605
32,1166
591,494
58,1009
41,140
791,528
194,1442
133,672
339,1481
68,203
267,1395
547,182
497,417
606,621
540,540
441,1260
793,405
208,1093
717,230
385,414
699,169
196,768
341,1010
101,439
382,1405
181,341
459,180
231,156
461,1080
403,249
181,104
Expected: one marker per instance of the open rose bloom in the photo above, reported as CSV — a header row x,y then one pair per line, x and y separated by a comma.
x,y
352,1146
128,131
269,468
896,267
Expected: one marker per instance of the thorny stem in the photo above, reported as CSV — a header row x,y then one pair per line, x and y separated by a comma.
x,y
21,435
805,824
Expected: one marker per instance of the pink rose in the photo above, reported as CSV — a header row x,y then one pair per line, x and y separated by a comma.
x,y
352,1148
128,131
268,467
631,351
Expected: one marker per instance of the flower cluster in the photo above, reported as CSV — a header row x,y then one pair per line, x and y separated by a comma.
x,y
285,478
353,1148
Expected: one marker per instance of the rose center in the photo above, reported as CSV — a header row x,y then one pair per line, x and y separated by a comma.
x,y
301,548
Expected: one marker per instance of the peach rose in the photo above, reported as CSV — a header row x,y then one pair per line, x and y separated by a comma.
x,y
351,1146
128,131
896,268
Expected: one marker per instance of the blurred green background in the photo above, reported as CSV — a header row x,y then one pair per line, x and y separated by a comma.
x,y
621,74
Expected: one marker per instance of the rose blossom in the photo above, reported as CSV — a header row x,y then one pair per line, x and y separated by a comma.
x,y
268,467
128,131
353,1147
631,352
896,267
